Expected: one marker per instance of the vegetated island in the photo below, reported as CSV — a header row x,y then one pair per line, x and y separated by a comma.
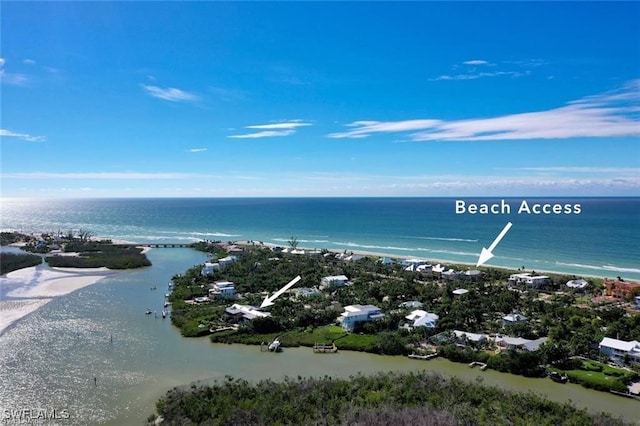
x,y
381,399
71,250
511,321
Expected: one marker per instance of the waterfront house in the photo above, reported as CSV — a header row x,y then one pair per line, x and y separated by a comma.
x,y
450,274
353,258
209,268
355,315
422,318
387,261
619,289
223,289
512,319
519,343
334,281
239,313
472,274
519,278
620,351
464,337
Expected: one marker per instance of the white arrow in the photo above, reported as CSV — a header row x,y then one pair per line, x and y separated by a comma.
x,y
268,301
487,254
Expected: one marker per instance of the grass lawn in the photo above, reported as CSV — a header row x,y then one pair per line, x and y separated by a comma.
x,y
597,375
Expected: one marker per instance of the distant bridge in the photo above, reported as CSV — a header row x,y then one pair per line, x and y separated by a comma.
x,y
162,245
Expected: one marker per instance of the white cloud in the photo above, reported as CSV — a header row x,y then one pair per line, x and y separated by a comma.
x,y
12,79
29,62
472,76
23,136
197,149
572,169
264,134
169,94
476,62
283,128
611,114
282,125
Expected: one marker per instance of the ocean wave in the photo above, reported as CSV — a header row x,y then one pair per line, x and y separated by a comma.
x,y
286,240
464,240
601,268
206,234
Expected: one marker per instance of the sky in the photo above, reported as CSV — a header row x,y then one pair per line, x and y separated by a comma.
x,y
290,99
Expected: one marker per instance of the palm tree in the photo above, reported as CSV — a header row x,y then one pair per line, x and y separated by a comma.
x,y
293,243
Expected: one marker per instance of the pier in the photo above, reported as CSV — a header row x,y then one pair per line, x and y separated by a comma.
x,y
426,357
322,348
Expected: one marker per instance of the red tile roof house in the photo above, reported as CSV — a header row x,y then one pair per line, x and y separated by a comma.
x,y
620,289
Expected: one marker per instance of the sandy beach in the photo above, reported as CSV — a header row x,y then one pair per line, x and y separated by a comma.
x,y
34,287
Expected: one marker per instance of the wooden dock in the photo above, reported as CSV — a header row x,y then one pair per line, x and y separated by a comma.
x,y
321,348
425,357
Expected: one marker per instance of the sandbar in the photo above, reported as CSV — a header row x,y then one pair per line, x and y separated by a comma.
x,y
13,310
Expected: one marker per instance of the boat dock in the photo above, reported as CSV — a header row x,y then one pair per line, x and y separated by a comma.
x,y
322,348
482,365
425,357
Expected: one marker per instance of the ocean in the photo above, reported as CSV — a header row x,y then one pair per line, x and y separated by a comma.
x,y
602,240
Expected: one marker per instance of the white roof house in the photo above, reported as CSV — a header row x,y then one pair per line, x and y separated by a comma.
x,y
520,343
513,319
619,349
472,337
357,314
334,281
245,312
460,291
209,268
224,289
422,318
577,284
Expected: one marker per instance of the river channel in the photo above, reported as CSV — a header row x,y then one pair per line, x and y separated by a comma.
x,y
95,354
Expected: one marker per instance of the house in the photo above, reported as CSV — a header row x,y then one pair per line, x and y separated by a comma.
x,y
519,343
465,336
512,319
227,261
460,291
537,281
239,313
353,258
422,318
519,278
306,292
472,275
411,304
355,315
334,281
209,268
387,261
577,284
619,288
223,289
620,351
450,274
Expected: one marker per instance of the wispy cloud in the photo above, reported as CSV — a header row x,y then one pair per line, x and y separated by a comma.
x,y
169,93
476,62
12,79
612,114
197,149
476,68
283,128
591,170
23,136
29,61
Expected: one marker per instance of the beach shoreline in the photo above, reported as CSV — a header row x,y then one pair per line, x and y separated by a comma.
x,y
31,288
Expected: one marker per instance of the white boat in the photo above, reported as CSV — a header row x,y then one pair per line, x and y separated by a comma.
x,y
275,346
164,314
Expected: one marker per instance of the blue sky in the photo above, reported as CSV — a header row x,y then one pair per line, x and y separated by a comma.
x,y
216,99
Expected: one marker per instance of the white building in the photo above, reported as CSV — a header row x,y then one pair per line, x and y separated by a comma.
x,y
512,319
223,289
354,315
227,261
422,318
471,337
209,268
618,350
334,281
238,313
577,284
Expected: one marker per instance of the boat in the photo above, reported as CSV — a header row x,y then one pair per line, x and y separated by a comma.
x,y
166,304
154,288
275,346
164,314
557,377
147,312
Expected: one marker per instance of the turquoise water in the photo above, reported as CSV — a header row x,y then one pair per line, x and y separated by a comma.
x,y
48,360
603,240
